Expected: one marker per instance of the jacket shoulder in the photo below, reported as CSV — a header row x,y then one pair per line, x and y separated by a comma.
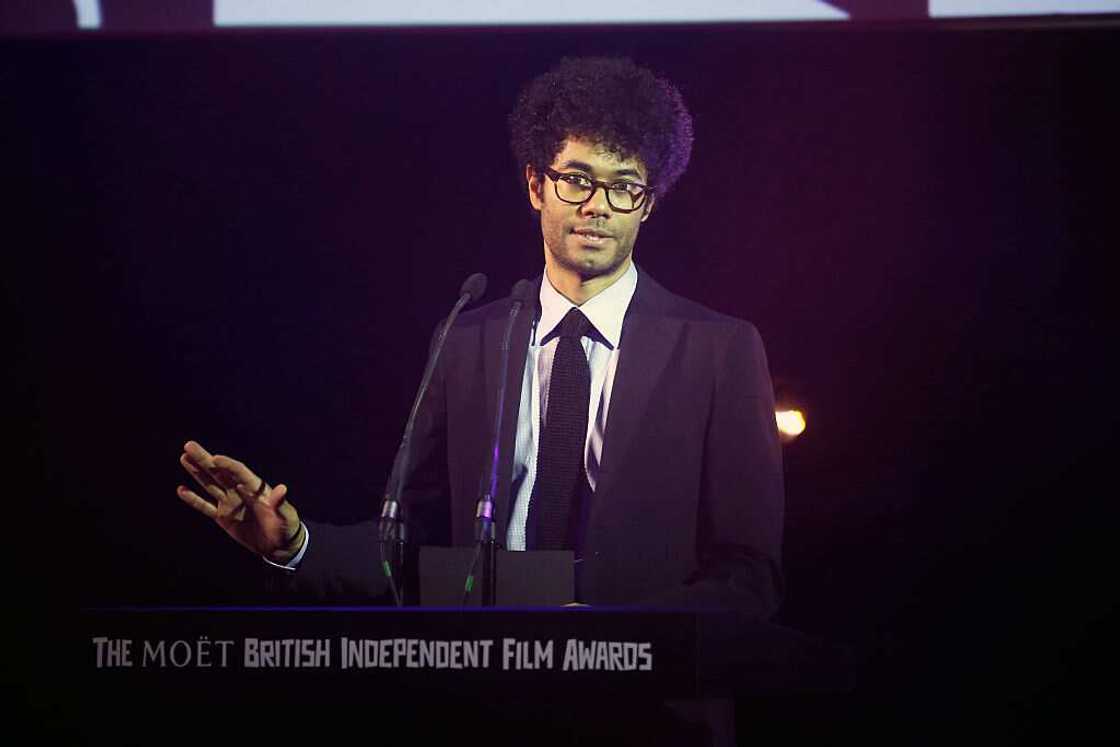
x,y
656,299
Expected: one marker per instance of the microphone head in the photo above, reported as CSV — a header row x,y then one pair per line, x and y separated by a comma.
x,y
474,286
522,291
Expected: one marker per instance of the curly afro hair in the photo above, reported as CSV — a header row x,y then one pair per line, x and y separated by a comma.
x,y
610,101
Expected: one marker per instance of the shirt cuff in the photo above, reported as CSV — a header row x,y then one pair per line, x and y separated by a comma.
x,y
292,565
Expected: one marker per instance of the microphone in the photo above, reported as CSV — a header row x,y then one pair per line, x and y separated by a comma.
x,y
473,287
521,294
391,526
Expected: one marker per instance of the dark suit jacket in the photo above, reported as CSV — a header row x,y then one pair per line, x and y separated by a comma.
x,y
689,503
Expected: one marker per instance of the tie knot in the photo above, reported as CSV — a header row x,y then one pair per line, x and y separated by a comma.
x,y
574,324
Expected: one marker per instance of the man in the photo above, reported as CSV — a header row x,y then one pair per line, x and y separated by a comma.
x,y
639,426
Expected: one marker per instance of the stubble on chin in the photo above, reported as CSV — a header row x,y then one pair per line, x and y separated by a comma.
x,y
589,268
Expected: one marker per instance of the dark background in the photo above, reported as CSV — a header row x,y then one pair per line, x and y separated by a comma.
x,y
246,239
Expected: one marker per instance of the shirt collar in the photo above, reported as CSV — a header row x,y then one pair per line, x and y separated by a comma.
x,y
605,310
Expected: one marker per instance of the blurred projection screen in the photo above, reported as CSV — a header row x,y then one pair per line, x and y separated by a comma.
x,y
946,8
512,12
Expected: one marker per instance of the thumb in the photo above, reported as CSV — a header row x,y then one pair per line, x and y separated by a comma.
x,y
273,498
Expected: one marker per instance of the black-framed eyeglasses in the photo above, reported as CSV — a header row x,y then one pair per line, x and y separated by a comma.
x,y
576,189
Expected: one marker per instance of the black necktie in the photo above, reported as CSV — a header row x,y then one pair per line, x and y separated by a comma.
x,y
560,476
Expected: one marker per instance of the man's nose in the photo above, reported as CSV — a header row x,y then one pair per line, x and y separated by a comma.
x,y
596,203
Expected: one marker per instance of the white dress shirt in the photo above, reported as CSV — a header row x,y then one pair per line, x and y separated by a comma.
x,y
605,311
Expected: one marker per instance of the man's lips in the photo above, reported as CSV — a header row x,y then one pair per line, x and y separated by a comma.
x,y
592,234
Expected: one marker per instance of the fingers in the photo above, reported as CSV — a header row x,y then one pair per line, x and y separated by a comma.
x,y
198,455
269,496
216,469
196,502
237,472
229,482
204,478
273,498
202,462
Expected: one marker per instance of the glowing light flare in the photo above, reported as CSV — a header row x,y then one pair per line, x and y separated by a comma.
x,y
791,423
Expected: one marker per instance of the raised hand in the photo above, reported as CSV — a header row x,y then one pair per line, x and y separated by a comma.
x,y
255,514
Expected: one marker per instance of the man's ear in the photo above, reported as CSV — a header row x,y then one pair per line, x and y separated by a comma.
x,y
536,188
648,207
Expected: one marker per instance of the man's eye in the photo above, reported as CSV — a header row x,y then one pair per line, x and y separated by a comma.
x,y
626,188
576,180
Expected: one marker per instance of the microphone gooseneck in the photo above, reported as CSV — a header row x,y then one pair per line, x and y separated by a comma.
x,y
392,525
521,294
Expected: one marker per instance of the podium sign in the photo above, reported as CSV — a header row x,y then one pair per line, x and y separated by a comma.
x,y
373,648
145,673
541,578
627,652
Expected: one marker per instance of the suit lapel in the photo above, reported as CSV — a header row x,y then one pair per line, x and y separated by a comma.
x,y
648,339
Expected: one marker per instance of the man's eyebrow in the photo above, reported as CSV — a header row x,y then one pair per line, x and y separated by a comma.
x,y
581,166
